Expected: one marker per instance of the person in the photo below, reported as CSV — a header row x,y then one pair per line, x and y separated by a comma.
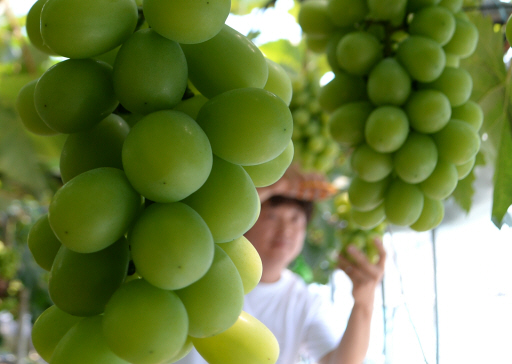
x,y
303,322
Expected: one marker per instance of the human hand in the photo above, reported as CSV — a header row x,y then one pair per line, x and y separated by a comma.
x,y
364,276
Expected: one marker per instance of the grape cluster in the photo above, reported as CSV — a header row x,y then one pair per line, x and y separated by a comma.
x,y
351,233
144,241
400,100
315,150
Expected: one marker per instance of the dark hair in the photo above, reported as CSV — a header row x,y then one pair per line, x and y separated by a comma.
x,y
306,206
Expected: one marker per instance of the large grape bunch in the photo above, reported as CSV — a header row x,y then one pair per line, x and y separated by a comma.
x,y
315,150
400,100
144,242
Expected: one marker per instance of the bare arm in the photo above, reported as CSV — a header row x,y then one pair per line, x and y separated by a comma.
x,y
365,278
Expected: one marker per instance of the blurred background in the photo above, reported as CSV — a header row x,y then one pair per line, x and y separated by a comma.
x,y
447,293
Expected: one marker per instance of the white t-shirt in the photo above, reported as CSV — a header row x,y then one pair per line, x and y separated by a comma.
x,y
303,322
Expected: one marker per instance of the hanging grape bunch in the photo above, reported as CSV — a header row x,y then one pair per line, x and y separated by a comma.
x,y
400,100
145,256
315,150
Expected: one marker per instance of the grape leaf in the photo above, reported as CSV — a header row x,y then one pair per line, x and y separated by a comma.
x,y
503,177
282,51
243,7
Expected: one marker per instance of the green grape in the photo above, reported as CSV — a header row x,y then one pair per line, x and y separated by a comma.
x,y
301,116
452,60
33,26
453,5
344,13
150,73
366,196
358,52
368,220
132,119
246,260
416,159
187,22
183,351
278,82
226,62
464,40
49,329
442,182
371,166
455,83
403,203
316,43
414,5
270,172
85,343
81,284
248,341
428,110
471,113
433,22
171,245
457,142
386,129
431,215
461,15
422,57
314,18
145,324
167,156
311,130
74,95
463,170
508,29
228,192
316,143
192,106
87,29
371,250
98,147
247,126
331,47
43,243
393,10
93,210
348,123
342,89
214,302
109,57
388,83
27,111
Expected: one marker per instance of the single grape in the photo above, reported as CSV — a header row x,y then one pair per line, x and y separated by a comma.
x,y
49,329
367,220
187,348
226,62
442,182
434,22
343,88
248,341
453,5
403,203
93,210
455,83
247,126
270,172
393,10
185,21
508,30
471,113
371,166
414,5
167,156
98,147
416,159
422,57
358,52
76,29
314,18
464,40
33,26
27,111
344,13
366,196
214,302
278,82
431,215
347,124
43,243
386,129
388,83
428,110
463,170
150,73
457,142
228,192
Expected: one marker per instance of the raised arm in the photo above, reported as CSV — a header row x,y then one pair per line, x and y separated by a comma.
x,y
365,277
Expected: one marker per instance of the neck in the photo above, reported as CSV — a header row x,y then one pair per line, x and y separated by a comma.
x,y
271,273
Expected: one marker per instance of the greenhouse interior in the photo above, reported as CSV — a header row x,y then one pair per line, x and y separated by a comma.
x,y
255,181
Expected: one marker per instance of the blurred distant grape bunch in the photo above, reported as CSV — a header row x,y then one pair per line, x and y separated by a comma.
x,y
400,100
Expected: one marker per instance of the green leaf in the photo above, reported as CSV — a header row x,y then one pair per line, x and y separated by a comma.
x,y
243,7
464,192
285,53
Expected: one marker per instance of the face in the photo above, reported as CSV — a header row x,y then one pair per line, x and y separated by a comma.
x,y
279,234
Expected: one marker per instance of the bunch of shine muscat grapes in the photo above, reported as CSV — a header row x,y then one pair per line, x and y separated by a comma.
x,y
144,241
351,233
400,100
315,150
